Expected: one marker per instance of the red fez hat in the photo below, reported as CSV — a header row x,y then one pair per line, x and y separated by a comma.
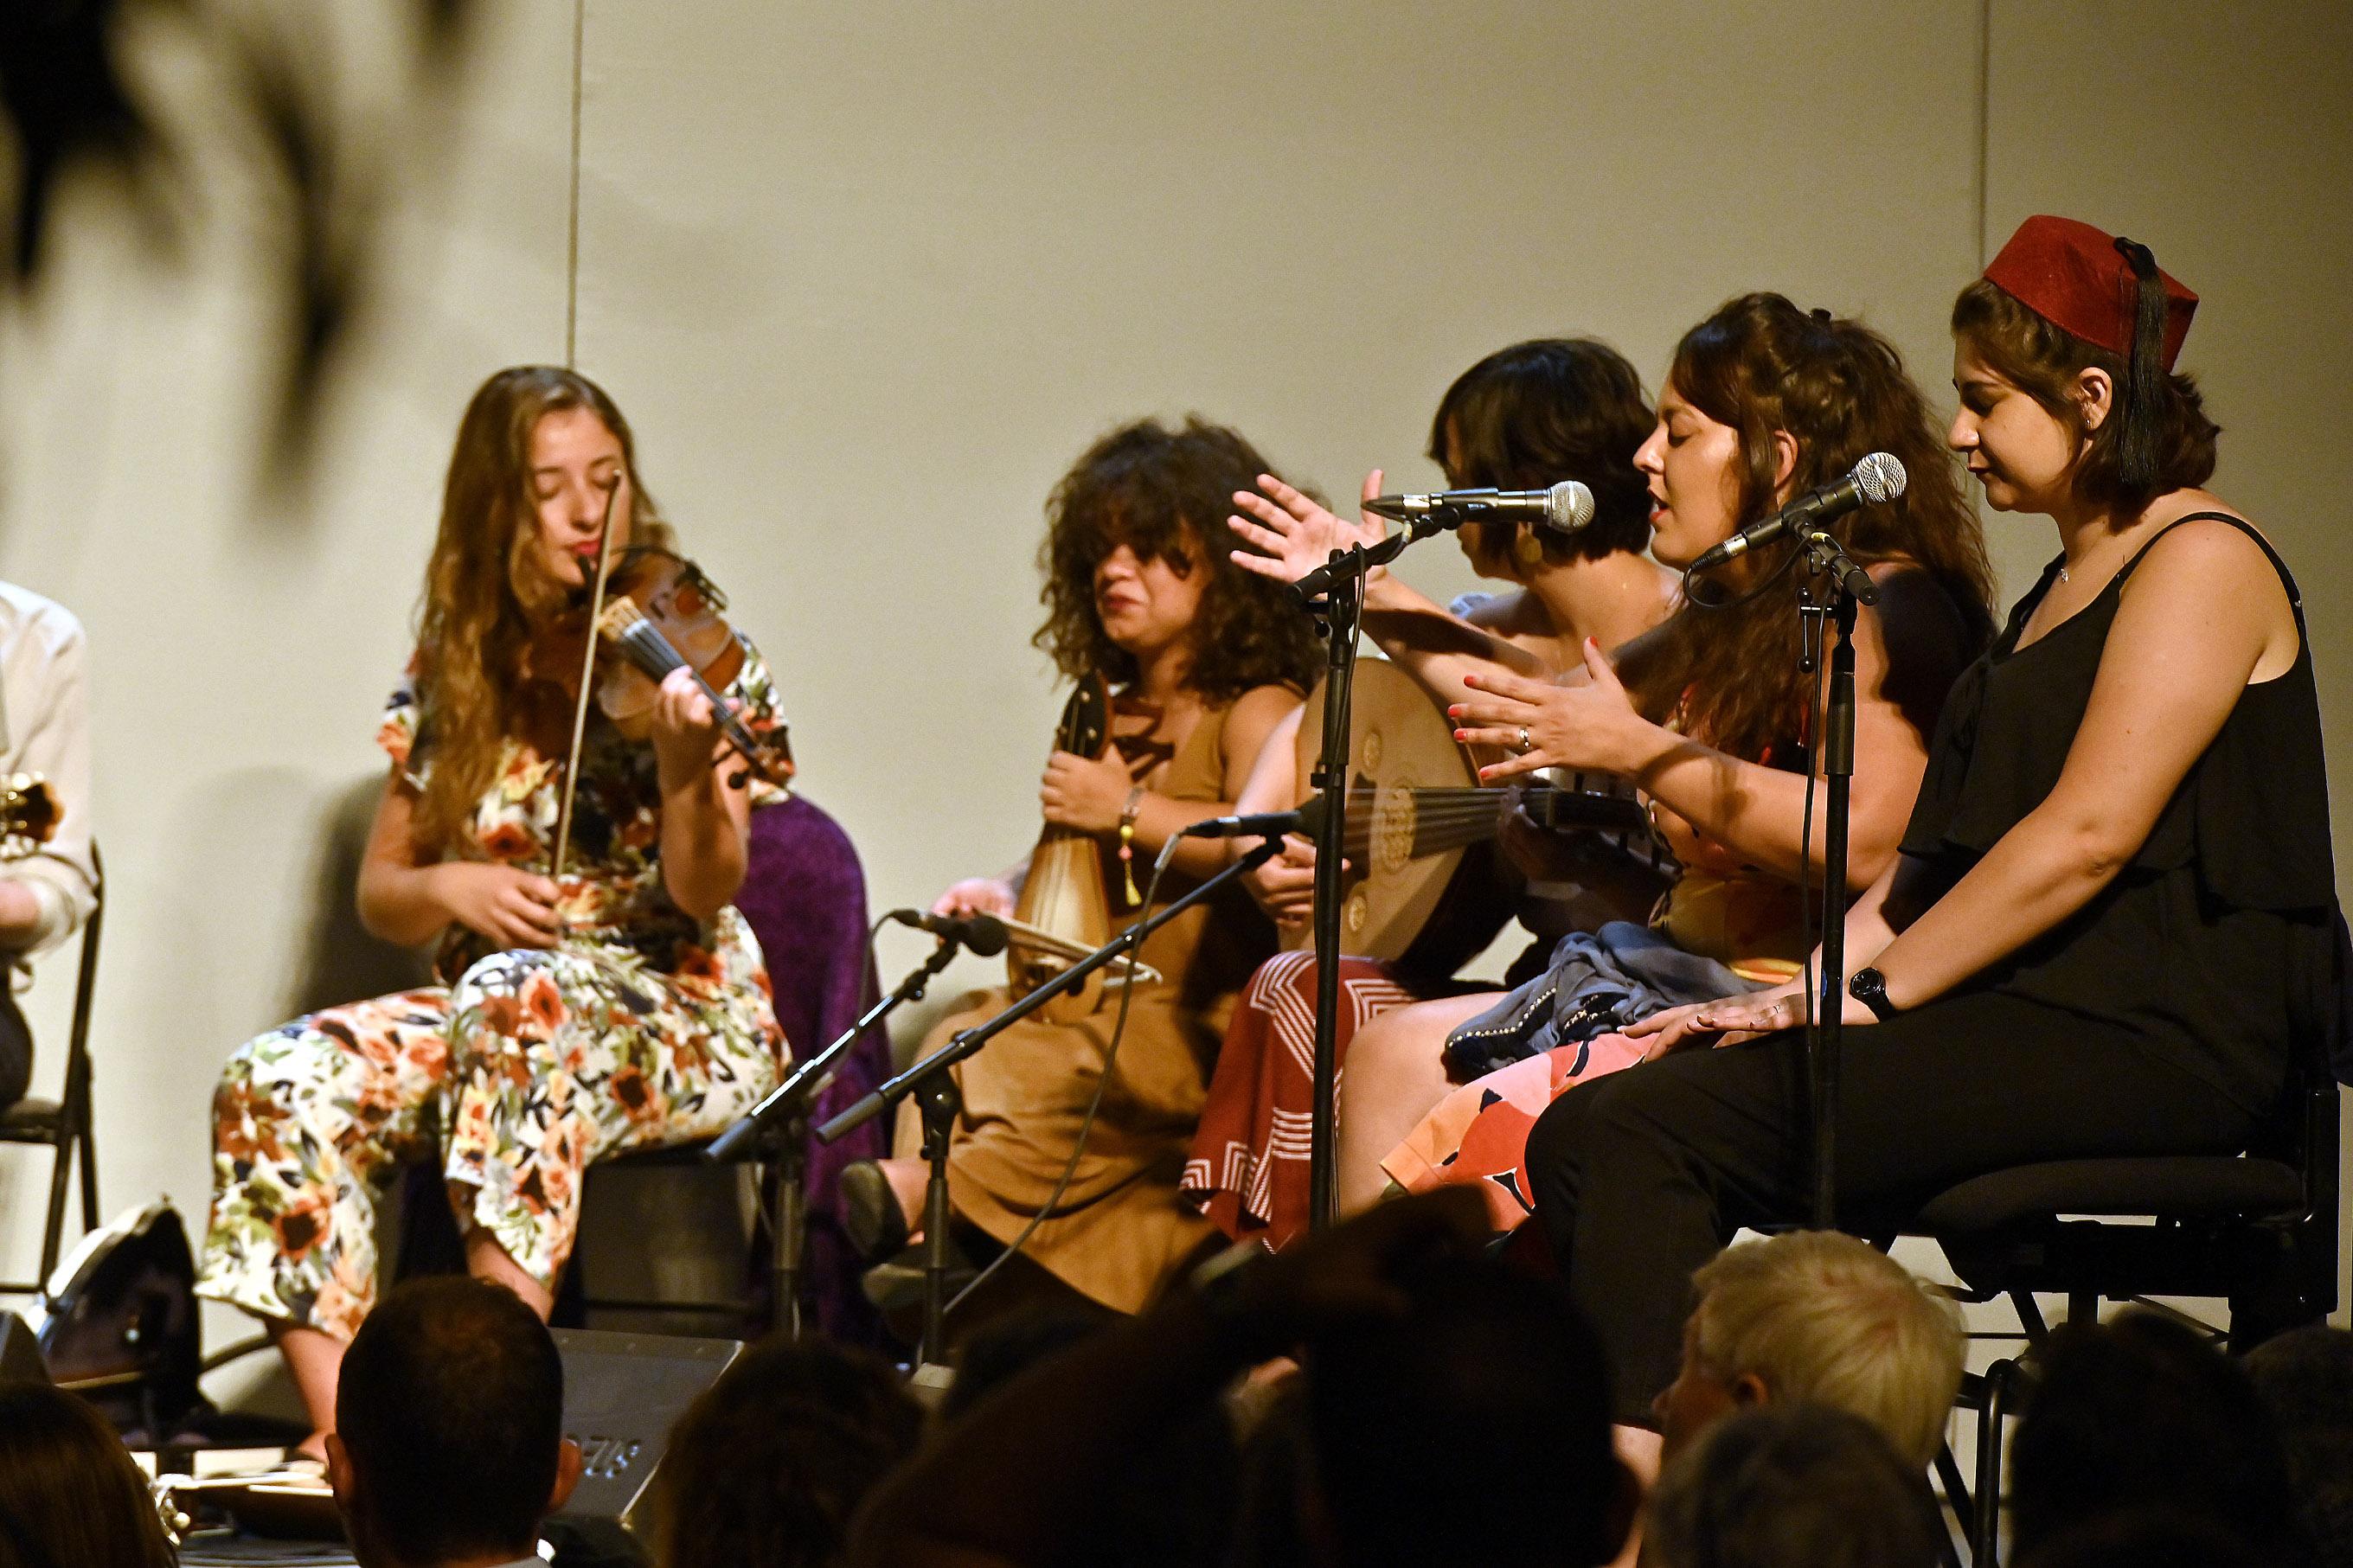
x,y
2075,278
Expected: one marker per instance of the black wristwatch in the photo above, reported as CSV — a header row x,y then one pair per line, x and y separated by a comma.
x,y
1870,988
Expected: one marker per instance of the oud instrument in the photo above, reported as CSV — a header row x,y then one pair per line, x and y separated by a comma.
x,y
1064,910
1423,887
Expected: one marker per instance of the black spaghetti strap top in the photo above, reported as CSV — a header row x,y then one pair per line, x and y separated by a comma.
x,y
2198,946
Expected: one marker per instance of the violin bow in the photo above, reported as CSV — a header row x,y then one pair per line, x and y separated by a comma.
x,y
587,681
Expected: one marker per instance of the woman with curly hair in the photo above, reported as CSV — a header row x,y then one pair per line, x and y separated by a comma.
x,y
624,1005
1206,661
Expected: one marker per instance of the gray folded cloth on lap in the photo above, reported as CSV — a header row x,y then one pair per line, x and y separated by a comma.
x,y
1598,981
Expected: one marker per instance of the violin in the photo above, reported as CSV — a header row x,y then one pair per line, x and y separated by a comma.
x,y
660,614
634,603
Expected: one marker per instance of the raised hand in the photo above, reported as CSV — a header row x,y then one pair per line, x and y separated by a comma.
x,y
1297,533
1591,725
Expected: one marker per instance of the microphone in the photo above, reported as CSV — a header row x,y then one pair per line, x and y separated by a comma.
x,y
1260,825
981,935
1877,477
1565,508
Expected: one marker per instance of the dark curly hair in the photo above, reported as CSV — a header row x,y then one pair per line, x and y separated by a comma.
x,y
2043,361
1545,410
1760,364
1166,494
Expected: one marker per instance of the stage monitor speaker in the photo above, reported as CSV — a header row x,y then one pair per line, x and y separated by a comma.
x,y
621,1392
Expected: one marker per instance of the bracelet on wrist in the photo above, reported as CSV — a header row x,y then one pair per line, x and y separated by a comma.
x,y
1127,844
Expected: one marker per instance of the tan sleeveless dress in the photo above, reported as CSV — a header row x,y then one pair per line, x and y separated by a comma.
x,y
1120,1228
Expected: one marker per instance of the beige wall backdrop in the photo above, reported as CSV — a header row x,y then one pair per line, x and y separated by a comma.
x,y
867,279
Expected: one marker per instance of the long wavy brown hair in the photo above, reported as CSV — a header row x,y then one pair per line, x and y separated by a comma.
x,y
486,594
1166,495
1760,364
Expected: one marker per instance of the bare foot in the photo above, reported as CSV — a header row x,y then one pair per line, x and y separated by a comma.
x,y
908,1179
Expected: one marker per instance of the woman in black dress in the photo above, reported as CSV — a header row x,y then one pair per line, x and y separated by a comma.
x,y
2117,873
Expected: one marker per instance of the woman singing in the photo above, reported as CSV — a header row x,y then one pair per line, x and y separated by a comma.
x,y
1206,660
624,1005
1762,402
2115,888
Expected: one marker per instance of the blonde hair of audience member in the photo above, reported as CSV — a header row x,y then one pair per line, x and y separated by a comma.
x,y
1817,1316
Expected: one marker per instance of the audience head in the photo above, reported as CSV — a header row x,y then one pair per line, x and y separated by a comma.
x,y
1532,415
2152,1537
69,1494
1409,1415
1817,1316
2141,1412
448,1442
1796,1486
1013,1342
765,1467
2305,1379
1149,503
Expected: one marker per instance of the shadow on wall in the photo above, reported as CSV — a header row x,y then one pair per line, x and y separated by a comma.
x,y
340,961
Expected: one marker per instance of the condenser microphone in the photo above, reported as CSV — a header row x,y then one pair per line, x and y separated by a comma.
x,y
1877,477
981,935
1565,508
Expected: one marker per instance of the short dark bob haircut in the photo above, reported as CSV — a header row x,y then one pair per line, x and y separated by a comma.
x,y
2043,361
1532,415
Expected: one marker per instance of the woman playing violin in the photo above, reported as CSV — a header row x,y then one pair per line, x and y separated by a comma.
x,y
1206,660
618,1004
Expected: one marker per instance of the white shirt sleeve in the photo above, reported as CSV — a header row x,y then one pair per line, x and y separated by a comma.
x,y
48,732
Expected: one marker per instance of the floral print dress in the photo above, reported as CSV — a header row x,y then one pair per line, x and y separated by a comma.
x,y
642,1027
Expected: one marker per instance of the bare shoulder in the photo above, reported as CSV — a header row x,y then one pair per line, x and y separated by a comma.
x,y
2206,553
1261,709
1503,613
2208,579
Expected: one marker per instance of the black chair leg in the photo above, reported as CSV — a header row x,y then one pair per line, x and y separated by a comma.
x,y
60,1178
2001,1384
1956,1493
89,1173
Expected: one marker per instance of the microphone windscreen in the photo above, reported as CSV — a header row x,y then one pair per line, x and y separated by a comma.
x,y
1569,506
1879,478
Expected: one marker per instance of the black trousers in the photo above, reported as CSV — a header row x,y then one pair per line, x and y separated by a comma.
x,y
1642,1176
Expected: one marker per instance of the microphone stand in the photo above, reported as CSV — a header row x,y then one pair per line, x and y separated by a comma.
x,y
780,1125
1826,1038
940,1103
1334,593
